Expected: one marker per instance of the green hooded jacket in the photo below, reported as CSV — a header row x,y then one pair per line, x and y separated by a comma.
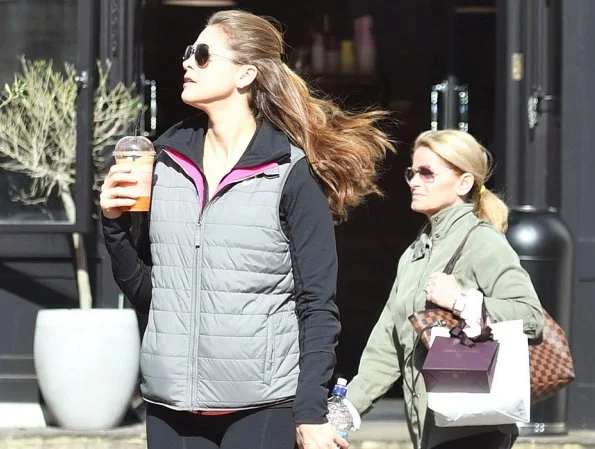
x,y
489,264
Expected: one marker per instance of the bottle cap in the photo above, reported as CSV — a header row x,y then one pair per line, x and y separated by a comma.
x,y
340,388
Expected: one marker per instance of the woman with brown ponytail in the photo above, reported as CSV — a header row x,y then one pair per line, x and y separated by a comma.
x,y
236,264
447,180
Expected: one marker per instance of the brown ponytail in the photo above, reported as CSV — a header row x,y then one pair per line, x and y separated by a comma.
x,y
343,148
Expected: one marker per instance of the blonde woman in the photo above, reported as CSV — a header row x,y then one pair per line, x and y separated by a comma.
x,y
236,265
447,181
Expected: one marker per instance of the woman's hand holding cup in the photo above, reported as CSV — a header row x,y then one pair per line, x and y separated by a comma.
x,y
128,184
118,192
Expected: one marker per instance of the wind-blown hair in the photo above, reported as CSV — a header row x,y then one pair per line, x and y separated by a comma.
x,y
344,148
466,155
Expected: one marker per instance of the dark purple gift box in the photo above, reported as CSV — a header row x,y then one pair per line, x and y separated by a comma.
x,y
451,367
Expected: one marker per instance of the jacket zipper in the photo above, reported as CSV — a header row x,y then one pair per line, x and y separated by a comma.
x,y
427,256
413,408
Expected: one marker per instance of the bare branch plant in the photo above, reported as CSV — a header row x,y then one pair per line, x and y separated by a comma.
x,y
38,138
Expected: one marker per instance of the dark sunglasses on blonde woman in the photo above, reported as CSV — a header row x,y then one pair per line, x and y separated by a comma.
x,y
202,55
425,173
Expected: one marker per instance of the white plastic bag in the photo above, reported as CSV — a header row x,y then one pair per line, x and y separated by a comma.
x,y
509,400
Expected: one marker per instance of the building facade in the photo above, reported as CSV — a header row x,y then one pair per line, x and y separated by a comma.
x,y
528,66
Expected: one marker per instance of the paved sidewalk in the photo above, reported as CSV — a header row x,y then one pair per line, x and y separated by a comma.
x,y
383,428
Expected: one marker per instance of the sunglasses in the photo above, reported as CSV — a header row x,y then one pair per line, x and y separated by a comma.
x,y
425,173
202,55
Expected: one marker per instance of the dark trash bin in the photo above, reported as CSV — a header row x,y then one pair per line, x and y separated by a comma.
x,y
544,245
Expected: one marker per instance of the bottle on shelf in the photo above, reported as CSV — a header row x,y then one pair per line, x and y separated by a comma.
x,y
318,54
338,412
347,57
333,58
365,45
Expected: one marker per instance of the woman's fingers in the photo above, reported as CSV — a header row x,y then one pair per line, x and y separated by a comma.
x,y
113,208
118,196
341,442
121,191
118,192
441,289
118,174
319,436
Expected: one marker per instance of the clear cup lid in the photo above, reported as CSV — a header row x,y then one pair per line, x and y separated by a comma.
x,y
136,144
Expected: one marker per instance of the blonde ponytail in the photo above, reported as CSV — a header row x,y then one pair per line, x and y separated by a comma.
x,y
489,207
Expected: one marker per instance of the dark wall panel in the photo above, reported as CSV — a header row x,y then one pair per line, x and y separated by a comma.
x,y
578,201
27,284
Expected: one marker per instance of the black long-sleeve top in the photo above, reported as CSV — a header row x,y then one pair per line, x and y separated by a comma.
x,y
306,220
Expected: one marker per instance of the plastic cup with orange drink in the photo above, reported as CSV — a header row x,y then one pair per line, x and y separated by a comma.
x,y
138,153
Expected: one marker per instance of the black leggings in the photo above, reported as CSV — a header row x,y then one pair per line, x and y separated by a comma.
x,y
491,440
264,428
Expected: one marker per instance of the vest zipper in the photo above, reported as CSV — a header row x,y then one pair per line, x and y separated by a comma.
x,y
198,285
196,300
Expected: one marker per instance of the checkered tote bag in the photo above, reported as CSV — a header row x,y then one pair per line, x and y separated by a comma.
x,y
550,361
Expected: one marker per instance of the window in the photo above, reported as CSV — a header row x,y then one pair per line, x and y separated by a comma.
x,y
63,31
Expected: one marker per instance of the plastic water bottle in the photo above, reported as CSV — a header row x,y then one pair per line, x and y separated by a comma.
x,y
338,413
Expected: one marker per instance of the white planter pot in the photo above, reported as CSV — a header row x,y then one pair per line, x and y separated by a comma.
x,y
87,365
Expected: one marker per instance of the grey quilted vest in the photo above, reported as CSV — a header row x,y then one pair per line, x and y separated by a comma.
x,y
222,330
